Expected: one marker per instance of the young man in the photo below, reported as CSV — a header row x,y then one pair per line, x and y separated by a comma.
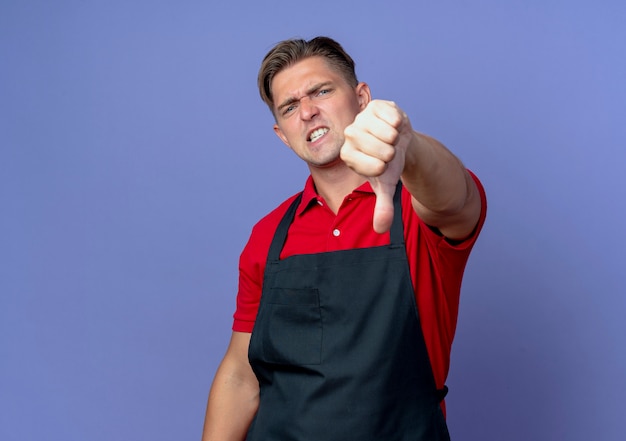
x,y
348,291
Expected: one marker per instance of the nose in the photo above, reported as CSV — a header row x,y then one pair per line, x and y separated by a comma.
x,y
308,109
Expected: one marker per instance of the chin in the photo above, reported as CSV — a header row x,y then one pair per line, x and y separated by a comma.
x,y
325,162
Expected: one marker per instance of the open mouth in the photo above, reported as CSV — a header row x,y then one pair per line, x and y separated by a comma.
x,y
318,133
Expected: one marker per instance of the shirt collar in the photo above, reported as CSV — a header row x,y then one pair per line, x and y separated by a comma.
x,y
310,196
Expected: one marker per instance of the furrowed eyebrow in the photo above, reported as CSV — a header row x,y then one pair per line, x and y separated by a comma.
x,y
311,90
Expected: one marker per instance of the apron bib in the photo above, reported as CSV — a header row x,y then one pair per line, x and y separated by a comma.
x,y
338,348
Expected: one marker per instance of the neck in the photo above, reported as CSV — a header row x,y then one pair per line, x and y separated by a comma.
x,y
335,183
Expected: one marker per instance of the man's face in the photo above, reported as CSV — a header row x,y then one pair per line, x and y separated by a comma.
x,y
313,104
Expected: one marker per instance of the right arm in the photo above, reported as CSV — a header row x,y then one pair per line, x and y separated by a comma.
x,y
234,396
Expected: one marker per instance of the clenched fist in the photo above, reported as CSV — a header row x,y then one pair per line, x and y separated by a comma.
x,y
375,147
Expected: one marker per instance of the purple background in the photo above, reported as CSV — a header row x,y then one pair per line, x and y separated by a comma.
x,y
135,156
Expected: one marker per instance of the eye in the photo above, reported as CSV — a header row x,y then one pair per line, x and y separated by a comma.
x,y
289,109
323,92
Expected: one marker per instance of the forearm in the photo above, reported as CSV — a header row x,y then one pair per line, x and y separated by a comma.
x,y
444,193
231,407
433,175
234,397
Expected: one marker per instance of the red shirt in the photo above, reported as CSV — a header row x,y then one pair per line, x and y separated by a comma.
x,y
436,265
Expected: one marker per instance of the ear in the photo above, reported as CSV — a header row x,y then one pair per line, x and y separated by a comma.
x,y
281,135
363,95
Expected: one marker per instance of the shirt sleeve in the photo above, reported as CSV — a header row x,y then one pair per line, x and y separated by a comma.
x,y
252,268
437,266
250,283
434,237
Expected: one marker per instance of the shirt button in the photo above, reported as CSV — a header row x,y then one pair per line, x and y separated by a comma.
x,y
336,232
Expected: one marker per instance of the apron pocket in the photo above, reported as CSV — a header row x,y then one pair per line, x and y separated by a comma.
x,y
291,327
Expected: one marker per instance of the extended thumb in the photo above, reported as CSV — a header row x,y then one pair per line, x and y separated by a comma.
x,y
383,210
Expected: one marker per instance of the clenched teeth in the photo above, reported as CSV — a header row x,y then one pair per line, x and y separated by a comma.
x,y
317,134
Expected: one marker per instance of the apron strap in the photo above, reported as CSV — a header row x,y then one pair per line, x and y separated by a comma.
x,y
397,227
281,231
441,393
